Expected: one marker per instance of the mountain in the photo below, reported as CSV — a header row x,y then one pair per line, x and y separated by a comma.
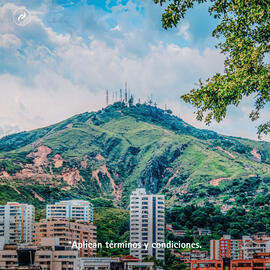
x,y
102,156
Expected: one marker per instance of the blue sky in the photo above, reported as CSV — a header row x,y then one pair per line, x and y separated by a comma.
x,y
62,62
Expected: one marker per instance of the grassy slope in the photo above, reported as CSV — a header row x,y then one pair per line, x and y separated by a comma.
x,y
138,143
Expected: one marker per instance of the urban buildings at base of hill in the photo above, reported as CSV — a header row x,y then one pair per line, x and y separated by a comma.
x,y
260,261
50,241
238,249
47,244
49,255
187,256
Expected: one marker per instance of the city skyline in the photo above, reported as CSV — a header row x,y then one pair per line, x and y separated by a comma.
x,y
51,239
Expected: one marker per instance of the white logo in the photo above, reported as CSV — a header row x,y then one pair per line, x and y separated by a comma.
x,y
21,16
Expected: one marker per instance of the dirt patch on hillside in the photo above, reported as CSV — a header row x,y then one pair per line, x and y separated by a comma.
x,y
84,162
72,177
4,174
58,161
40,156
117,190
225,151
215,182
172,177
256,155
29,173
95,175
15,189
37,196
99,157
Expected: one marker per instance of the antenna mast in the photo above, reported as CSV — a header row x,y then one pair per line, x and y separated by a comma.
x,y
121,95
107,97
126,97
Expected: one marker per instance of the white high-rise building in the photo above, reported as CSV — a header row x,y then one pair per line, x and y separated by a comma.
x,y
74,209
147,224
16,223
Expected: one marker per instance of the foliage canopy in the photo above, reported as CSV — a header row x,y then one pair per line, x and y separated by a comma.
x,y
244,29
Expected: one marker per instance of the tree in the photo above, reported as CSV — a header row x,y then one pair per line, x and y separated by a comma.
x,y
154,260
245,31
177,266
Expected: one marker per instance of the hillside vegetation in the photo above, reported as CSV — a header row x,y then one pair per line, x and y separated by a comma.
x,y
107,154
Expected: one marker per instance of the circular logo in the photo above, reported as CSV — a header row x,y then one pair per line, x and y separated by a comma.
x,y
21,16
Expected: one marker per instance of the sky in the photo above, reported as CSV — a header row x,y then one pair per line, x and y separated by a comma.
x,y
62,62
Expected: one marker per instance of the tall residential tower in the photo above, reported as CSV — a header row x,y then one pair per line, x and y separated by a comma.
x,y
16,223
147,224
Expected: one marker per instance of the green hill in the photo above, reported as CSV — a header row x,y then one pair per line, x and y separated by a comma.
x,y
104,155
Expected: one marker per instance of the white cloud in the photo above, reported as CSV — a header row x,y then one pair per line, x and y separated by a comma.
x,y
8,129
50,99
63,74
116,28
183,31
9,41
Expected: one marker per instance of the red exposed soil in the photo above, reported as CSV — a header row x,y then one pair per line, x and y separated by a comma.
x,y
37,196
40,156
58,161
99,157
84,162
255,154
172,177
117,190
72,177
215,182
225,151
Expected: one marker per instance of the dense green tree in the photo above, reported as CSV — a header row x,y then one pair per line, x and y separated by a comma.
x,y
154,260
244,29
112,226
177,266
237,221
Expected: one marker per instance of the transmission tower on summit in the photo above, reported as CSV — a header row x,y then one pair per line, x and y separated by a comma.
x,y
107,97
126,94
121,95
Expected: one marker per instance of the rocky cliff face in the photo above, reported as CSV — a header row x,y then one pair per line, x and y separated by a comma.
x,y
110,152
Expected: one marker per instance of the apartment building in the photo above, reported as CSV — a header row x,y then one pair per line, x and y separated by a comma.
x,y
239,248
260,261
147,224
48,256
73,209
201,231
123,263
226,247
16,223
67,231
187,256
255,244
196,233
51,256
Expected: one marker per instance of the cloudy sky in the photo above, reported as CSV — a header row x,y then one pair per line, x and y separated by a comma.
x,y
62,62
